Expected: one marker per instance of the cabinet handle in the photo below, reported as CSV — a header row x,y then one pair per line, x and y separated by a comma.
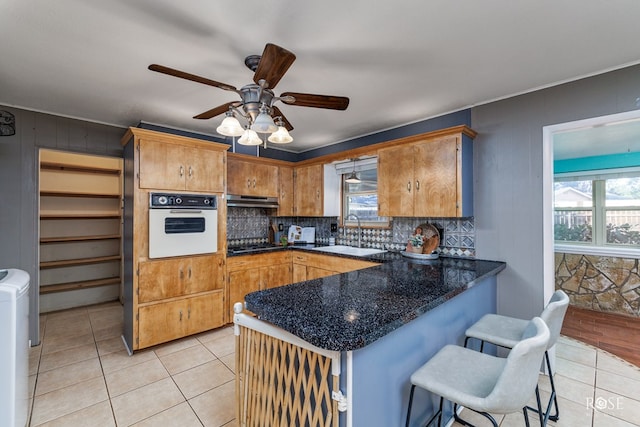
x,y
189,273
409,186
190,171
417,185
181,315
254,183
181,171
181,274
248,183
189,313
318,194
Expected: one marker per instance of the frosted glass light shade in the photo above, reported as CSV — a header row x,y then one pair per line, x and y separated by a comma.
x,y
281,136
249,137
352,178
230,126
264,124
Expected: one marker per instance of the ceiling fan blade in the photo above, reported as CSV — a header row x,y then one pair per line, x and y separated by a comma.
x,y
215,111
317,101
276,113
187,76
275,61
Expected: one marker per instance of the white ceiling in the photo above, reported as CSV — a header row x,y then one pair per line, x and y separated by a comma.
x,y
398,61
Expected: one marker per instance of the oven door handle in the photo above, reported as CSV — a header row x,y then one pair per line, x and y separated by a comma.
x,y
185,211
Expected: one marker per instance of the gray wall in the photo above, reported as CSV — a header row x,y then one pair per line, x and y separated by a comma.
x,y
19,186
508,161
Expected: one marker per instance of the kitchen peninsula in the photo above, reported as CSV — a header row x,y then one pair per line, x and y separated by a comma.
x,y
343,347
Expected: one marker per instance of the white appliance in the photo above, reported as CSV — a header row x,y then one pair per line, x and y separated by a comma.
x,y
299,234
14,347
182,224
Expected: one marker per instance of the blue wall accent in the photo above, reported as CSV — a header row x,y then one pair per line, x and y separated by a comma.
x,y
462,117
609,161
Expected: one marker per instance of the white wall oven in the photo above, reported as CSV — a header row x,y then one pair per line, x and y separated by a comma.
x,y
182,224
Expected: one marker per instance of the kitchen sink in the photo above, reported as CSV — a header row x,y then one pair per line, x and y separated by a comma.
x,y
348,250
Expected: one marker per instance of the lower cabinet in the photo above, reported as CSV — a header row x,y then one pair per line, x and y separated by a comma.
x,y
177,297
308,266
174,319
250,273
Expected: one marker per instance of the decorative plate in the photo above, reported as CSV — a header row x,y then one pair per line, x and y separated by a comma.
x,y
430,239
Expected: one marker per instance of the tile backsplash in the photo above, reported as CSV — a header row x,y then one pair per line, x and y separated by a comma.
x,y
250,225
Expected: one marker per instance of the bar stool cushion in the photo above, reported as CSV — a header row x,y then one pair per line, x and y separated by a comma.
x,y
501,330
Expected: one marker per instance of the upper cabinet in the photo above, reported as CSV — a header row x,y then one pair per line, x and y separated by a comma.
x,y
308,185
169,164
427,177
285,191
249,178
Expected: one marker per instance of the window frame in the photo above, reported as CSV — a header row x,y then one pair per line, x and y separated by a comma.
x,y
599,209
382,223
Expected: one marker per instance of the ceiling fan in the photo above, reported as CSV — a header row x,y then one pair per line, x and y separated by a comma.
x,y
257,99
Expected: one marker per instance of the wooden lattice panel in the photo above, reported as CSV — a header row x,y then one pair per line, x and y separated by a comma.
x,y
280,384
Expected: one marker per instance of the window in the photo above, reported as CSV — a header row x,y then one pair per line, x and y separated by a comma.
x,y
361,199
598,210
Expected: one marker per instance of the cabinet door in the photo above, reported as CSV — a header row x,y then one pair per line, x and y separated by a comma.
x,y
161,279
161,165
242,283
264,180
308,190
204,170
204,312
395,181
238,177
299,273
276,275
162,322
285,191
436,178
204,273
317,273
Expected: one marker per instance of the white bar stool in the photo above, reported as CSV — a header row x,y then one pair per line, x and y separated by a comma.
x,y
506,331
485,383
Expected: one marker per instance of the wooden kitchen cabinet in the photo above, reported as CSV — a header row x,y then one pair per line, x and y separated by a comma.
x,y
308,187
250,273
430,177
177,318
251,178
308,266
167,278
171,297
285,191
169,165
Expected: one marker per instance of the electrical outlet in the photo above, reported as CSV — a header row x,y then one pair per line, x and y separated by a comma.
x,y
280,227
334,227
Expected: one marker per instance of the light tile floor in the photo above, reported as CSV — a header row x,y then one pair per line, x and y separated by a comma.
x,y
81,375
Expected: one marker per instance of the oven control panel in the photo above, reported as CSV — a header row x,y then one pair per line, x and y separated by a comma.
x,y
183,201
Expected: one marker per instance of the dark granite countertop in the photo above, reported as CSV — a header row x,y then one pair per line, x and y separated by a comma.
x,y
351,310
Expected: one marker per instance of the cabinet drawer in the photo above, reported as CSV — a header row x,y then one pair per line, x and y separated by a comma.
x,y
167,321
160,279
277,256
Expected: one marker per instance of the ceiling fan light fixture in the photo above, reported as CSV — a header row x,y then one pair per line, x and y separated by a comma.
x,y
264,122
230,126
249,137
281,136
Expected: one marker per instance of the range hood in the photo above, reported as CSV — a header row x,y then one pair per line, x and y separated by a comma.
x,y
251,201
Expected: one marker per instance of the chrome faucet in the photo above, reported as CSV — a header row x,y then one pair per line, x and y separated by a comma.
x,y
359,228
